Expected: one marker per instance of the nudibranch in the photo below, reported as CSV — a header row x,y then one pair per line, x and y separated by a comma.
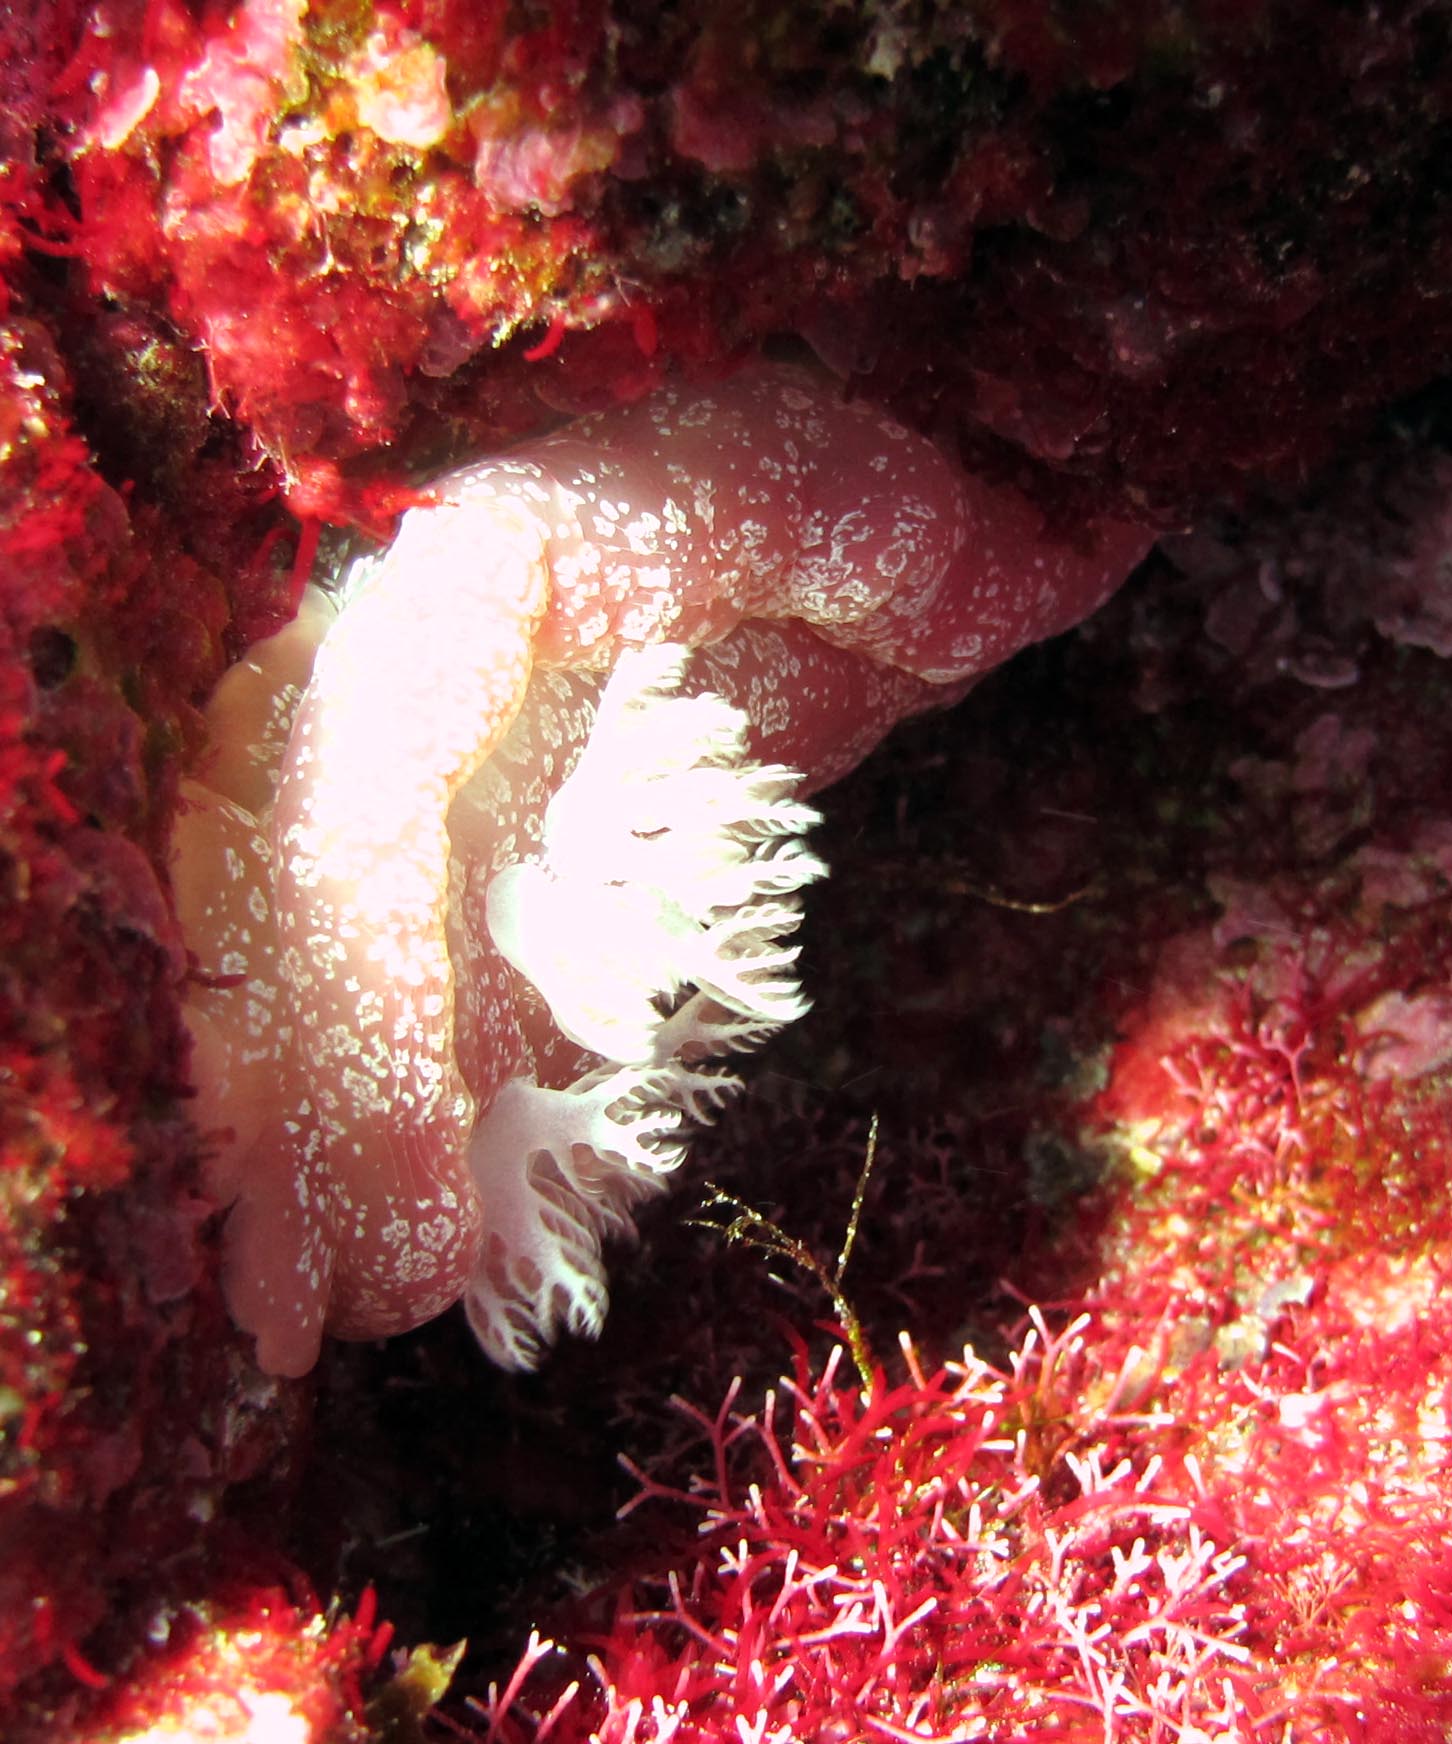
x,y
496,855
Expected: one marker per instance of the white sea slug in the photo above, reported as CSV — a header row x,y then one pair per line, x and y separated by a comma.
x,y
487,870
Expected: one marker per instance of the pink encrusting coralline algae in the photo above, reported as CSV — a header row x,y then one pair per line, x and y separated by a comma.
x,y
491,864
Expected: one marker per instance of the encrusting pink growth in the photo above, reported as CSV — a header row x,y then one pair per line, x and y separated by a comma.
x,y
480,892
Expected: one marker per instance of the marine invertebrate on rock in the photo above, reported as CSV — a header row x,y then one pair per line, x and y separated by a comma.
x,y
432,1091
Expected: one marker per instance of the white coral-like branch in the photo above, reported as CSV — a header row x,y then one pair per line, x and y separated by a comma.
x,y
670,861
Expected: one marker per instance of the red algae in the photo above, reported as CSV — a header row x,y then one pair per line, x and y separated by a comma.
x,y
914,1561
263,1663
353,210
103,1265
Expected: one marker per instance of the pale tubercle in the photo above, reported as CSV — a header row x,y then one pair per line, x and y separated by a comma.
x,y
833,573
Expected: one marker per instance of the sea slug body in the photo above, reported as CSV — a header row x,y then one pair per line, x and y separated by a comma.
x,y
490,866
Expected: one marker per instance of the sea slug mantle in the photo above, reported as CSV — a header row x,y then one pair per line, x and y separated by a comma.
x,y
489,866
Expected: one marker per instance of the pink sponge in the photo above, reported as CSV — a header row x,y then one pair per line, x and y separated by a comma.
x,y
387,873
